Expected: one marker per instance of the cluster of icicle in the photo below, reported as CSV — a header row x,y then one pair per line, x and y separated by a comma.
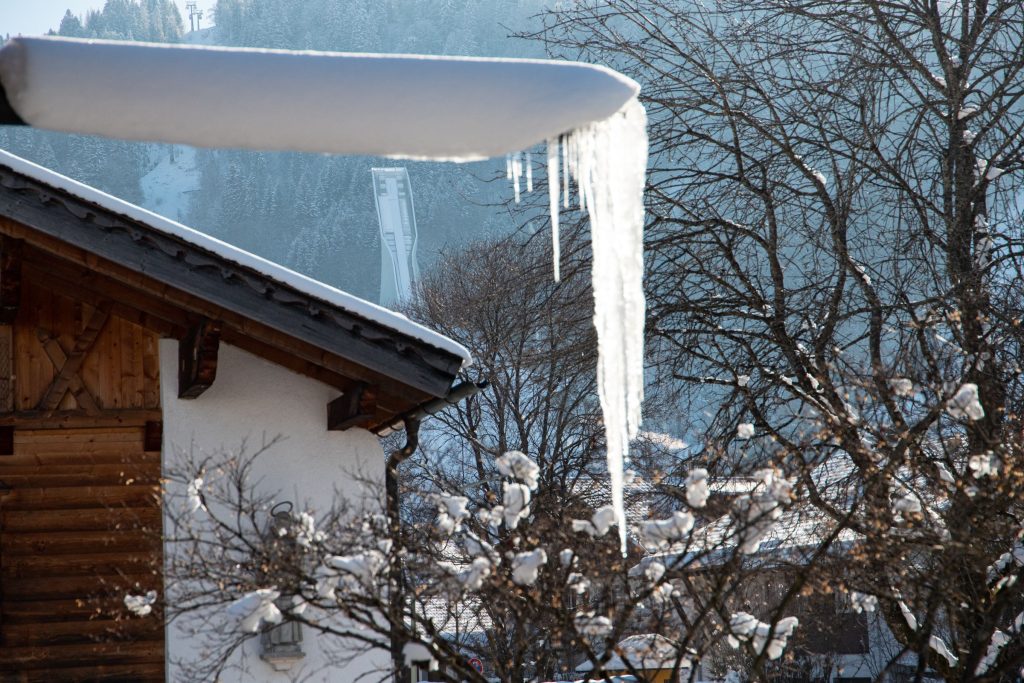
x,y
608,161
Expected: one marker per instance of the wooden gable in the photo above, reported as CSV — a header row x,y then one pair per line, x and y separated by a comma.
x,y
173,288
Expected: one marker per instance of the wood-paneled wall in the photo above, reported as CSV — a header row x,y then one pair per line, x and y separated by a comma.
x,y
120,369
80,522
79,529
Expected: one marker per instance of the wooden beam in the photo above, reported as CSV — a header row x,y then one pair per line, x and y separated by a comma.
x,y
10,279
59,358
354,408
68,371
197,359
77,419
79,283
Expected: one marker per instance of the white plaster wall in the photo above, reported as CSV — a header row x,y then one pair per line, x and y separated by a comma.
x,y
254,399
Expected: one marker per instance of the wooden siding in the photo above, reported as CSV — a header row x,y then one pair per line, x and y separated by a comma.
x,y
120,369
79,528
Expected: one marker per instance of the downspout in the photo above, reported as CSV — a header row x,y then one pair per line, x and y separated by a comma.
x,y
411,422
396,582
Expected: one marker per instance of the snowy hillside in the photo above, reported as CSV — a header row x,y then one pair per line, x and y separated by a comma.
x,y
168,188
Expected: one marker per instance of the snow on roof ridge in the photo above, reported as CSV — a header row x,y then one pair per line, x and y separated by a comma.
x,y
391,319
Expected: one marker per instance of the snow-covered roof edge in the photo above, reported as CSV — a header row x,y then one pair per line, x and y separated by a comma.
x,y
314,288
409,106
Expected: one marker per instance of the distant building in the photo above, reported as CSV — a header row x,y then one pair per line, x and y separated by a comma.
x,y
398,267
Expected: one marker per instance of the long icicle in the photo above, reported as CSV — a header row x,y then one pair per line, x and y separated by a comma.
x,y
608,160
565,172
553,180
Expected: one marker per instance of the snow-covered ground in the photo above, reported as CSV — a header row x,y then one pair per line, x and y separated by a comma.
x,y
167,189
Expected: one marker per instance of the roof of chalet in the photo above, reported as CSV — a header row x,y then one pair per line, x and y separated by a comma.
x,y
366,343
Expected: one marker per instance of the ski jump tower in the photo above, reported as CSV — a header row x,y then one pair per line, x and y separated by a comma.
x,y
398,266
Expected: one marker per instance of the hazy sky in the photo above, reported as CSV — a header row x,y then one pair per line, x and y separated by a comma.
x,y
35,17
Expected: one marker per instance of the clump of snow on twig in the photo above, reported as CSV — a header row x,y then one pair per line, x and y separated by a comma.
x,y
194,492
908,616
744,430
577,582
140,605
526,566
592,626
659,534
598,524
986,169
755,514
256,609
516,499
451,511
906,507
306,534
986,464
745,627
999,639
964,405
939,645
697,490
1015,556
666,441
470,577
516,465
862,602
901,386
358,570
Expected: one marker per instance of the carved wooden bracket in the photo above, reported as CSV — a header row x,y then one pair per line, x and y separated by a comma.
x,y
197,359
353,408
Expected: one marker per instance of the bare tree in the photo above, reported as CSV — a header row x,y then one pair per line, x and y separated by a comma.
x,y
834,282
835,258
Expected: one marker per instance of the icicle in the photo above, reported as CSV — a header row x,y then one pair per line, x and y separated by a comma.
x,y
565,173
508,166
529,172
609,161
517,172
553,180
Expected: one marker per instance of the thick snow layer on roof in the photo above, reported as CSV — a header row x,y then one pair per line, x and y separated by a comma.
x,y
364,309
393,105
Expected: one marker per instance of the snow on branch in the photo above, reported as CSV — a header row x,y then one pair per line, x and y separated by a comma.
x,y
745,627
